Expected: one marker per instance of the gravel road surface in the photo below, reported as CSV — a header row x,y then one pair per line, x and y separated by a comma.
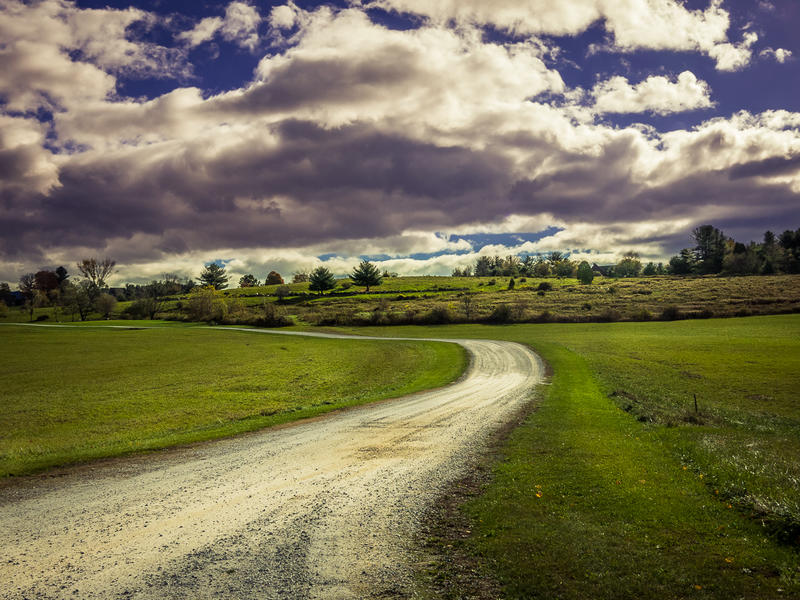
x,y
322,509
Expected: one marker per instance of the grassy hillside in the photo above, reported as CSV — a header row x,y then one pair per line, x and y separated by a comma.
x,y
438,300
72,394
617,488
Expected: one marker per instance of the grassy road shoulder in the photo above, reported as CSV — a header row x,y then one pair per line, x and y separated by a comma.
x,y
617,488
72,394
588,505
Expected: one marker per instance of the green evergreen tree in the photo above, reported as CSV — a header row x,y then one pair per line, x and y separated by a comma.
x,y
710,248
215,276
683,264
320,280
366,274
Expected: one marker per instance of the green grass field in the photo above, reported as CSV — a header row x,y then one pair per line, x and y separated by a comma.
x,y
406,300
72,394
616,488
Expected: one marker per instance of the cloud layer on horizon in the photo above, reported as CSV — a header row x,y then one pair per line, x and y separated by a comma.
x,y
353,138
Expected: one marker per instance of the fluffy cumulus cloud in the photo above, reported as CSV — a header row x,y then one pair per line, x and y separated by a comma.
x,y
42,40
354,138
58,57
631,24
733,57
239,26
657,94
781,55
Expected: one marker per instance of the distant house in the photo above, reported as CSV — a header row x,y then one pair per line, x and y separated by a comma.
x,y
604,270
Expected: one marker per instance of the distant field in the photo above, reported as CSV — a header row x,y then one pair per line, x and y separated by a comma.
x,y
72,394
404,300
616,488
441,300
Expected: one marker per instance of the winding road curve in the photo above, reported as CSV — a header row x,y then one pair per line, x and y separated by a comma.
x,y
326,508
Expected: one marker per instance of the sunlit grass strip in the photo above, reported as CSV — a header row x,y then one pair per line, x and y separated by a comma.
x,y
73,394
588,505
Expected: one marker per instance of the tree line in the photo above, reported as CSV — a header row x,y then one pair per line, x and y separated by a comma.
x,y
320,279
715,253
712,253
79,298
56,289
554,264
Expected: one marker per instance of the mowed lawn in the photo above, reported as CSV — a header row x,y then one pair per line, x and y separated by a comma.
x,y
615,487
71,394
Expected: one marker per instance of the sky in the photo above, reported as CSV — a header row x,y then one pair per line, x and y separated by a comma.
x,y
420,134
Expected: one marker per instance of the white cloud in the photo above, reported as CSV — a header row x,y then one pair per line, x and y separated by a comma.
x,y
655,94
203,32
25,165
57,56
632,24
734,57
719,145
522,17
240,26
343,67
780,54
665,24
284,16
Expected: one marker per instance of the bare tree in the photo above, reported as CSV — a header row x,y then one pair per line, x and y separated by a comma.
x,y
96,271
27,286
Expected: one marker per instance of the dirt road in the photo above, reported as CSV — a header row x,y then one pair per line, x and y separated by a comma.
x,y
323,509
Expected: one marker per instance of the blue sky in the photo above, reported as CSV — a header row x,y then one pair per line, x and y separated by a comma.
x,y
275,135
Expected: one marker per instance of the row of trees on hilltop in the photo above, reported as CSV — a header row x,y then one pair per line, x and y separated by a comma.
x,y
320,279
553,264
713,252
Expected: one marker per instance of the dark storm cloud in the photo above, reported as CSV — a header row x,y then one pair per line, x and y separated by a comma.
x,y
319,80
297,184
581,187
314,185
743,209
769,167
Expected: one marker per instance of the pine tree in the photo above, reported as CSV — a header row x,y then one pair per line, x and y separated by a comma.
x,y
320,280
366,274
215,276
